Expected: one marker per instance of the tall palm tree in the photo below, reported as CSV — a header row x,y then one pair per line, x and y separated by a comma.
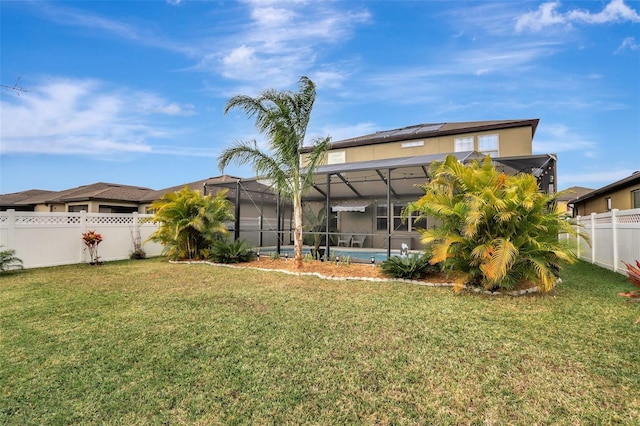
x,y
282,116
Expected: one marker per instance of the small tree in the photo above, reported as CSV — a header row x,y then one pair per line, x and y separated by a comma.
x,y
91,240
496,230
190,222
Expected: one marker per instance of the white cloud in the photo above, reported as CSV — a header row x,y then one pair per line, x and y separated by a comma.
x,y
548,15
615,11
281,41
554,138
628,43
69,16
545,15
65,116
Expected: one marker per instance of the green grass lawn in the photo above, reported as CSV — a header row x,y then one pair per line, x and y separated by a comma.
x,y
148,342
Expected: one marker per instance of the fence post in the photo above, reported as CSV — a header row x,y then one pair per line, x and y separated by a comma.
x,y
11,229
578,242
593,238
614,229
136,226
83,229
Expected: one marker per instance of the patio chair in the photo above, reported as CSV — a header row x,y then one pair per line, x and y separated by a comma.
x,y
345,238
358,240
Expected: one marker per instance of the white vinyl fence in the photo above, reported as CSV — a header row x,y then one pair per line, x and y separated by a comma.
x,y
50,239
615,238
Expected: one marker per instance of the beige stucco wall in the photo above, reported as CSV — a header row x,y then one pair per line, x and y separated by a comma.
x,y
46,208
620,199
512,142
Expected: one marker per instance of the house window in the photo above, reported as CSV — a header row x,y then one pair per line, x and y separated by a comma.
x,y
78,208
608,203
412,144
489,145
463,144
381,217
635,199
410,224
336,157
398,223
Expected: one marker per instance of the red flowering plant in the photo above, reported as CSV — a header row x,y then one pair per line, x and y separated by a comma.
x,y
91,240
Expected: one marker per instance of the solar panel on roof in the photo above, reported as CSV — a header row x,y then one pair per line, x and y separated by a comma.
x,y
430,128
408,131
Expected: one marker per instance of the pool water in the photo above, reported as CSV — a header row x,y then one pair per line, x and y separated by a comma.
x,y
359,256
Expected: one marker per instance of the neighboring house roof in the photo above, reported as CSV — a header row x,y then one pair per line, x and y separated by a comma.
x,y
574,192
622,183
95,191
197,185
429,130
18,197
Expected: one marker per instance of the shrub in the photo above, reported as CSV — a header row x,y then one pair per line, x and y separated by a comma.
x,y
9,261
190,222
410,267
496,230
238,251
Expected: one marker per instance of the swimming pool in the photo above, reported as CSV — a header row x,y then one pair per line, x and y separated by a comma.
x,y
357,255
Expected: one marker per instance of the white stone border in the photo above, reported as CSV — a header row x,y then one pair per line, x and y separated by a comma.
x,y
371,279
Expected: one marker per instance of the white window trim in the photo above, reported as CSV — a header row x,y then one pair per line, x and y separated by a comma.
x,y
463,140
489,151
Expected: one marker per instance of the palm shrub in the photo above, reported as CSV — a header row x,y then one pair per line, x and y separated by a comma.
x,y
315,224
496,230
239,251
8,260
410,267
189,222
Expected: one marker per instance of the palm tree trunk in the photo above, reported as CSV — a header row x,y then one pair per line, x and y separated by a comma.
x,y
297,231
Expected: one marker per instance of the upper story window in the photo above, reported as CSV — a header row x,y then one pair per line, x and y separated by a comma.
x,y
608,203
336,157
463,144
489,145
412,144
635,199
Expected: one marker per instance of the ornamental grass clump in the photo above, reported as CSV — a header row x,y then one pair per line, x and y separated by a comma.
x,y
496,231
239,251
411,267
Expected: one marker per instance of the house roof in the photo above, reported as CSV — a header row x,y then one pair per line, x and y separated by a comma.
x,y
574,192
95,191
429,130
634,179
197,185
18,197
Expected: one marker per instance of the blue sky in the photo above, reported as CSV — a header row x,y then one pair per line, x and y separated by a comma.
x,y
133,92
